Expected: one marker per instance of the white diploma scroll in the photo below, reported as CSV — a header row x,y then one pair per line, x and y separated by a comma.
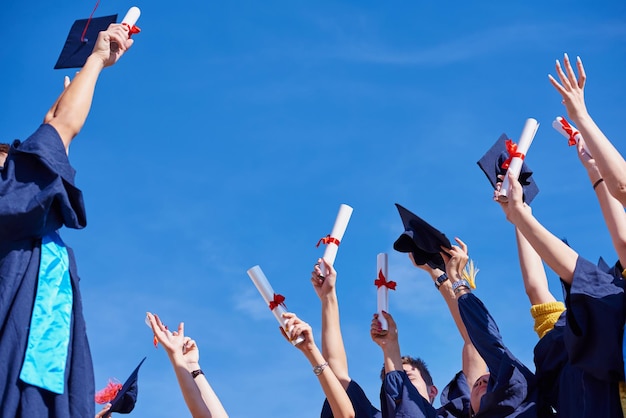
x,y
528,134
129,21
132,16
341,223
568,130
267,292
383,291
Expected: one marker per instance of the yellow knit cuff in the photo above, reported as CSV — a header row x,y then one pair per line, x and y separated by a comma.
x,y
545,316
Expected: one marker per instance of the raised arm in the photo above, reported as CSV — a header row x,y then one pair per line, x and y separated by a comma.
x,y
610,162
72,107
388,343
184,355
404,392
533,273
50,115
335,393
332,341
559,257
612,209
473,364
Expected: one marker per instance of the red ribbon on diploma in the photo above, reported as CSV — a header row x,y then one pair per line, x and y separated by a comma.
x,y
327,240
278,300
382,281
131,29
511,149
569,131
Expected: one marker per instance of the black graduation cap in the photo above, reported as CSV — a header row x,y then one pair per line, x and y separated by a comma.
x,y
81,40
421,239
491,164
126,398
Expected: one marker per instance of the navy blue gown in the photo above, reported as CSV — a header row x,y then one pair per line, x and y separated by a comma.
x,y
593,340
511,391
363,408
399,398
38,197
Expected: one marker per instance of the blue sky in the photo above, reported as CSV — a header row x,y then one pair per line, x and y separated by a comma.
x,y
231,132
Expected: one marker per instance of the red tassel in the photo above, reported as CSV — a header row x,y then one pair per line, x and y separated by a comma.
x,y
109,393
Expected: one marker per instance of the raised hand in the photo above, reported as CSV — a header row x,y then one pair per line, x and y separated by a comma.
x,y
323,284
514,204
571,87
384,339
455,259
297,328
116,33
172,342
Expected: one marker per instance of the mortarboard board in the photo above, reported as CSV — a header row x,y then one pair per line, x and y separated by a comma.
x,y
126,398
81,40
421,239
491,164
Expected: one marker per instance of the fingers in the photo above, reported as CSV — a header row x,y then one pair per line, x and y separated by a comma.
x,y
296,327
556,85
66,82
104,411
390,321
181,329
282,331
582,76
462,244
376,328
329,267
317,277
571,76
564,80
118,33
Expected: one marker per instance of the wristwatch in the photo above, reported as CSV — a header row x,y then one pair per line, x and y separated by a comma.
x,y
319,368
440,280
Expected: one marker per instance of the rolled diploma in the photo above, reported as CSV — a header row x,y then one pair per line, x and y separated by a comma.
x,y
341,223
528,134
132,16
556,124
383,291
266,291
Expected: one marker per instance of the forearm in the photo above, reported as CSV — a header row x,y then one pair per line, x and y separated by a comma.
x,y
213,403
448,295
533,272
191,392
560,257
392,357
335,393
610,162
73,106
613,213
482,329
472,363
333,349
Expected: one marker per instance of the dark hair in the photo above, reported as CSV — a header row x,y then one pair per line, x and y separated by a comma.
x,y
417,363
5,148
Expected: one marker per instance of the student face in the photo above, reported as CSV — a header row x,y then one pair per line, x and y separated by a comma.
x,y
416,378
478,390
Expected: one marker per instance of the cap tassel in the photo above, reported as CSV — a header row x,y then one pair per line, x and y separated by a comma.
x,y
470,272
109,393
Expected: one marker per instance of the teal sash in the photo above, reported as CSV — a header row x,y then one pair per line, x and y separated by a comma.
x,y
49,335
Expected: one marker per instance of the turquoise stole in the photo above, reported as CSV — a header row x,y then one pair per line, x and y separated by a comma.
x,y
49,335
